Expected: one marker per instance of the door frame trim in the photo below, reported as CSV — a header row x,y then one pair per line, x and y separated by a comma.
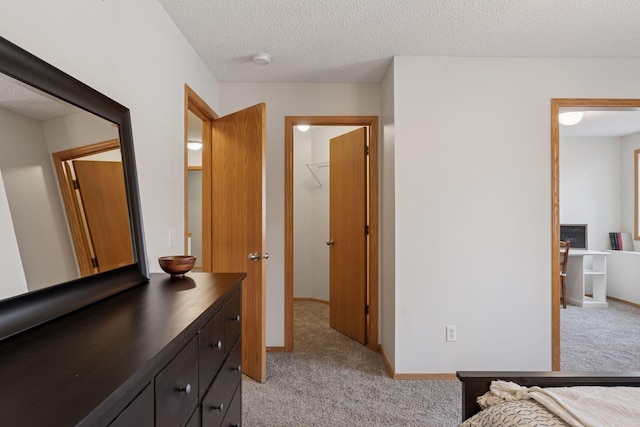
x,y
372,122
556,104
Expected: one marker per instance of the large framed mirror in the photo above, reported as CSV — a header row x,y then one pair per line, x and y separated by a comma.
x,y
56,237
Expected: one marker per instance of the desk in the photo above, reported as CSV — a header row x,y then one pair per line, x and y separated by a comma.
x,y
584,266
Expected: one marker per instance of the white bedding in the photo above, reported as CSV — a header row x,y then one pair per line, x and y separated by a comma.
x,y
592,406
575,406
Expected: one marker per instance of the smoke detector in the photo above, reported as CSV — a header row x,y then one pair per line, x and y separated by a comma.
x,y
261,58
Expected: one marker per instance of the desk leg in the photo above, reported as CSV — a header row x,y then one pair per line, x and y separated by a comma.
x,y
599,288
575,281
600,279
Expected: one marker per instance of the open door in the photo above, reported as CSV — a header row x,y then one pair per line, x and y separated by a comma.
x,y
104,203
348,234
238,221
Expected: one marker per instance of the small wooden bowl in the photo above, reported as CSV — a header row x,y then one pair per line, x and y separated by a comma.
x,y
177,265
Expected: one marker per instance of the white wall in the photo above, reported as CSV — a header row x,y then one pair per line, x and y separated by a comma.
x,y
290,99
320,214
591,186
133,53
36,208
473,204
623,270
13,280
303,185
77,130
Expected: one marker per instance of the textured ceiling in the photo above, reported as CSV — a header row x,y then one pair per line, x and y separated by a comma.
x,y
28,101
354,40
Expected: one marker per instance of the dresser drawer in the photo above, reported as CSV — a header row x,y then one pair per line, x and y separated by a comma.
x,y
233,418
233,320
216,402
176,387
139,412
211,350
194,421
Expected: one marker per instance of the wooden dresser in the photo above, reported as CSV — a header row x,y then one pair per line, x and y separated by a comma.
x,y
165,353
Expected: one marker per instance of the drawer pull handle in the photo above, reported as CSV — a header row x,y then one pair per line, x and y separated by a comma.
x,y
236,318
239,368
186,389
219,407
217,345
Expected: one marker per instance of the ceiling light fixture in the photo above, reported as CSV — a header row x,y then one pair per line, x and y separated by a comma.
x,y
261,58
194,145
570,118
303,128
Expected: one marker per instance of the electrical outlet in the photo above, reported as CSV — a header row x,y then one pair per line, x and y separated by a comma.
x,y
451,334
172,237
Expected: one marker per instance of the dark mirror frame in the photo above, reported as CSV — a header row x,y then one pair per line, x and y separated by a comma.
x,y
25,311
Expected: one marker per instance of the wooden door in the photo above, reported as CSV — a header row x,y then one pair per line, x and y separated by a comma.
x,y
347,229
104,202
238,221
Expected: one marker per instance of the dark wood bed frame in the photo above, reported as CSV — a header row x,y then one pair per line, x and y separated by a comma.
x,y
475,384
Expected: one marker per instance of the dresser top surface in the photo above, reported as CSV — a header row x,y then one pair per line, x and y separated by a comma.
x,y
62,372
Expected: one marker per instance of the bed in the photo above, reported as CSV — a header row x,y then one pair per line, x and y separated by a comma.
x,y
476,384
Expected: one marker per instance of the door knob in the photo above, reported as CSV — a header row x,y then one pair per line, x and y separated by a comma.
x,y
254,256
330,242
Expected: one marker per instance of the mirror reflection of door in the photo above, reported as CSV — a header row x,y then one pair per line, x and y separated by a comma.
x,y
330,206
194,206
92,185
101,195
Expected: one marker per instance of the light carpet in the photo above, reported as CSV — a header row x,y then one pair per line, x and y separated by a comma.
x,y
600,338
330,380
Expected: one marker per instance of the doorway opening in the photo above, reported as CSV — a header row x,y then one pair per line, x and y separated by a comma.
x,y
193,189
593,107
198,117
316,170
